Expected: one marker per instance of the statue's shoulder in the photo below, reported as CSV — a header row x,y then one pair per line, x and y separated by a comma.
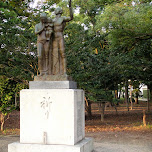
x,y
38,25
57,21
64,17
51,24
53,20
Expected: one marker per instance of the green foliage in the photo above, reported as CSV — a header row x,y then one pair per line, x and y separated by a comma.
x,y
129,37
17,43
127,24
8,89
86,65
17,40
107,43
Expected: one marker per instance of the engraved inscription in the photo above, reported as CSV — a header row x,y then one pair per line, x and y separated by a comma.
x,y
46,105
44,138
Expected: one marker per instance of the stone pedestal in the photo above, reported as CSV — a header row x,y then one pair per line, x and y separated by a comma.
x,y
52,120
86,145
52,85
58,113
53,78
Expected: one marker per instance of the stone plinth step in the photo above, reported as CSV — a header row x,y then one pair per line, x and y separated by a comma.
x,y
53,78
86,145
52,85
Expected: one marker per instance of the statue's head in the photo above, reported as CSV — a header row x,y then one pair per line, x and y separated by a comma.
x,y
58,11
43,17
49,20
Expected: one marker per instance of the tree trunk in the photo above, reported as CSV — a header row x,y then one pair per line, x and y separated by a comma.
x,y
116,94
131,98
126,94
119,93
123,95
2,126
116,109
136,99
3,119
2,122
149,96
144,118
150,93
88,108
102,111
99,106
148,106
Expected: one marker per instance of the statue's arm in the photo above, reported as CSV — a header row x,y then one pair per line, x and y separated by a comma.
x,y
67,19
37,30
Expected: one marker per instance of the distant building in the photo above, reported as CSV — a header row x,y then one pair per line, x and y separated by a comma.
x,y
143,87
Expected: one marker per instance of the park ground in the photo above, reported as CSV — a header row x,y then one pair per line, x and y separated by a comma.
x,y
120,132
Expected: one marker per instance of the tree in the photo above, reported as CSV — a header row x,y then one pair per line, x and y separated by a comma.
x,y
89,67
87,52
129,37
8,88
17,52
16,33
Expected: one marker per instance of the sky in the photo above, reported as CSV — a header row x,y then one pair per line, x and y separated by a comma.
x,y
35,2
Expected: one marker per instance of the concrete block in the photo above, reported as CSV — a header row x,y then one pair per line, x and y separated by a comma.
x,y
52,85
52,116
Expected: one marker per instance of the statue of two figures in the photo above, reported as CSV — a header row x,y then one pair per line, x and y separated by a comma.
x,y
50,43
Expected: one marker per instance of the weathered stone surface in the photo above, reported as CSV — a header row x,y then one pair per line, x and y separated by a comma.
x,y
79,147
50,42
53,78
52,116
52,85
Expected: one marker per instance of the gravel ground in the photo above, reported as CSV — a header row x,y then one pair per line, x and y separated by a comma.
x,y
122,141
117,147
100,145
5,140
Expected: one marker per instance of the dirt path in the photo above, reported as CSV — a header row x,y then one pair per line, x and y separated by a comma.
x,y
105,141
122,141
115,147
118,133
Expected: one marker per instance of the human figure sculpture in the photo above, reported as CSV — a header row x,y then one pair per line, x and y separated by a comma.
x,y
59,59
48,33
43,43
50,43
49,28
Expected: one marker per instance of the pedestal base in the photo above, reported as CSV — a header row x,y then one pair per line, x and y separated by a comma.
x,y
53,78
86,145
52,85
52,116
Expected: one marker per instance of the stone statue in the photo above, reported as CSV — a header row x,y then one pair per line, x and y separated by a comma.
x,y
48,33
50,43
49,28
43,30
59,59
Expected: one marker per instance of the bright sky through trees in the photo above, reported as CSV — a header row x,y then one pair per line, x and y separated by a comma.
x,y
36,2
